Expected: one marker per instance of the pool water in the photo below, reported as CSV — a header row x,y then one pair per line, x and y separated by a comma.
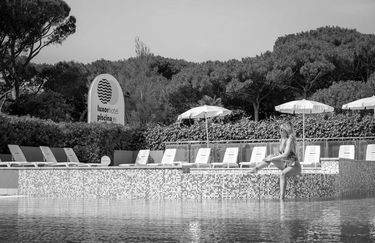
x,y
25,219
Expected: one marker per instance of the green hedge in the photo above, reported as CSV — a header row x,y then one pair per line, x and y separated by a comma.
x,y
316,126
91,141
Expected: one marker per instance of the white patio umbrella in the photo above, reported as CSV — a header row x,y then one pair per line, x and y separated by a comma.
x,y
205,111
303,107
361,104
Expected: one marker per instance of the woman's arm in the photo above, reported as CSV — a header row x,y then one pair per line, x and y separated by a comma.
x,y
282,145
284,154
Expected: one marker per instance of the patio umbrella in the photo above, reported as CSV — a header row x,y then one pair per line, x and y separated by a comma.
x,y
303,107
361,104
205,111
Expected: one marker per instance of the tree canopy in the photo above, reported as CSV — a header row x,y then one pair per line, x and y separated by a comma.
x,y
26,27
330,64
315,59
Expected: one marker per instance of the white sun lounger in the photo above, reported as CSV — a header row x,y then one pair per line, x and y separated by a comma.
x,y
312,156
19,156
169,157
346,151
202,158
257,155
370,152
72,157
49,156
15,163
229,159
142,158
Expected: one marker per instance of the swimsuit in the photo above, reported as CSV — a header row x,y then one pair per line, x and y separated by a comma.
x,y
291,160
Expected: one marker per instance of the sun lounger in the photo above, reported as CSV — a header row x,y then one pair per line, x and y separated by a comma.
x,y
72,157
346,151
169,156
142,158
3,163
312,156
370,152
49,156
19,156
14,163
229,159
257,155
201,159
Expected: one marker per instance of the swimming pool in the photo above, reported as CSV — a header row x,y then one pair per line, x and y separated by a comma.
x,y
24,219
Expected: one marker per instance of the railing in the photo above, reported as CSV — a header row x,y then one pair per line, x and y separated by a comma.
x,y
186,150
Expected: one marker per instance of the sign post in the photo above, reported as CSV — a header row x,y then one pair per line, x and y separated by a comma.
x,y
106,101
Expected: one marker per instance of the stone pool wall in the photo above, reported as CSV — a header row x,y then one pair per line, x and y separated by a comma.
x,y
170,183
357,177
333,179
237,184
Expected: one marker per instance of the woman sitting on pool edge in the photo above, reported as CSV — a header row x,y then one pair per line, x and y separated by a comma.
x,y
286,160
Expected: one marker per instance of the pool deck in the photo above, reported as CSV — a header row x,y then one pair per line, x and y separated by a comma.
x,y
335,178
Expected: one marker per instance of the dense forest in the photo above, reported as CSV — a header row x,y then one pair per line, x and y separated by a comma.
x,y
332,65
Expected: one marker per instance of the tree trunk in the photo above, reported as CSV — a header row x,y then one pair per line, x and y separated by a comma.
x,y
82,116
256,111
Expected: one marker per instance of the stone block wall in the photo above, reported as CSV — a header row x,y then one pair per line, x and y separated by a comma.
x,y
170,183
142,183
335,178
357,177
330,165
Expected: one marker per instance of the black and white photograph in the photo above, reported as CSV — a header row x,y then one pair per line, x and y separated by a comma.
x,y
187,121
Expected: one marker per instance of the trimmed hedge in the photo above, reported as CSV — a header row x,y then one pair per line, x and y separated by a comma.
x,y
91,141
316,126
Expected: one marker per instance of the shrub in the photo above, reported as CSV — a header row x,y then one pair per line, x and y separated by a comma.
x,y
91,141
316,126
29,132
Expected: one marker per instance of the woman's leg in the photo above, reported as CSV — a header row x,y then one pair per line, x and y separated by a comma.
x,y
259,166
288,171
279,164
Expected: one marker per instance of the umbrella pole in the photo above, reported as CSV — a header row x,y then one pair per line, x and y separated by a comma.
x,y
206,128
303,135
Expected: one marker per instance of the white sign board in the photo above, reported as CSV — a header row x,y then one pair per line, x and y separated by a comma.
x,y
106,101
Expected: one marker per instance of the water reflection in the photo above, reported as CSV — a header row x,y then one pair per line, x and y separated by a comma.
x,y
45,220
195,230
372,228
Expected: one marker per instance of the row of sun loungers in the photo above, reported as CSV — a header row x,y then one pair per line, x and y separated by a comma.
x,y
230,159
49,159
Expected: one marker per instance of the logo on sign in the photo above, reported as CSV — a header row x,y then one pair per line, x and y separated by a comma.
x,y
106,101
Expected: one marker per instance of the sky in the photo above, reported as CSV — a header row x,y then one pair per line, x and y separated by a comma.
x,y
198,30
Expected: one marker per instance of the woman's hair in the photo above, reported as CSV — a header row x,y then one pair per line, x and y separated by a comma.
x,y
287,127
